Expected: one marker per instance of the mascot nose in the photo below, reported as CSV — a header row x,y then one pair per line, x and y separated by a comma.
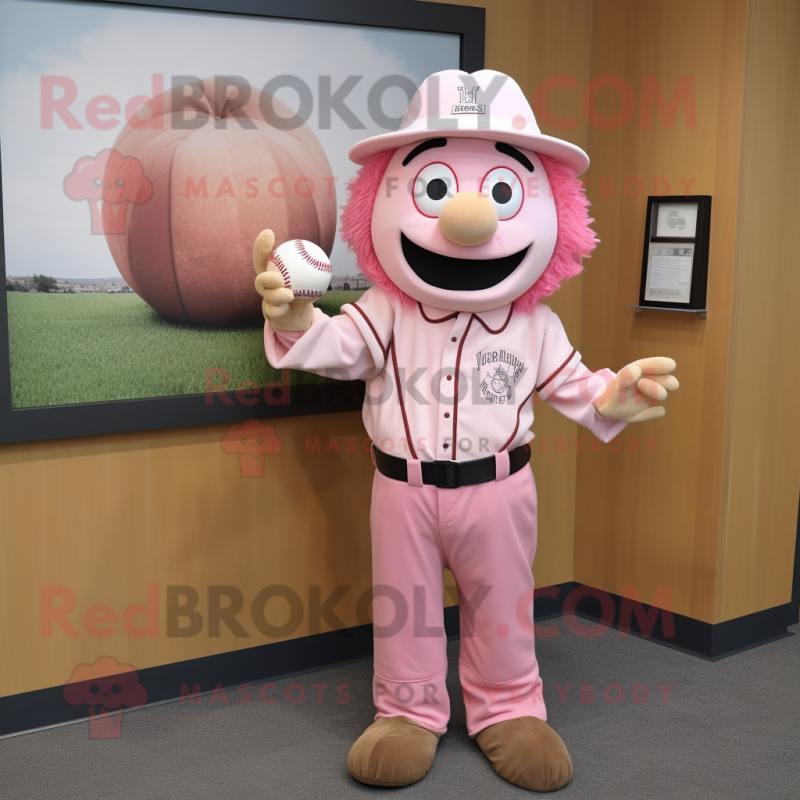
x,y
468,218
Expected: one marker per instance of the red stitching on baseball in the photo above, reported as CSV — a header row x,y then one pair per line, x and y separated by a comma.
x,y
309,259
276,260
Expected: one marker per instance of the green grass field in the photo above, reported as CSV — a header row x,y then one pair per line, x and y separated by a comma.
x,y
74,348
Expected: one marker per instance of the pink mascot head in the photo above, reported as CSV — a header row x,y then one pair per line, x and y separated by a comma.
x,y
468,207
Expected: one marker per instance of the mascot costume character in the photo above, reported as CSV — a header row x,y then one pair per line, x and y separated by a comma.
x,y
463,220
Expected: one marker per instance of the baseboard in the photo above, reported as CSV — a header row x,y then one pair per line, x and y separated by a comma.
x,y
44,708
47,707
705,640
795,611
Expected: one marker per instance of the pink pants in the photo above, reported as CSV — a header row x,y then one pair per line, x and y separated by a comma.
x,y
486,535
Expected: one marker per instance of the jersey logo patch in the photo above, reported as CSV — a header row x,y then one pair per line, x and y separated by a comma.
x,y
499,371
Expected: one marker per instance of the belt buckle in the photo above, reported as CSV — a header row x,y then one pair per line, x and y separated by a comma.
x,y
448,474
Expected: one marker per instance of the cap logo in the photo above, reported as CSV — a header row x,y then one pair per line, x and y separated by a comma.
x,y
468,101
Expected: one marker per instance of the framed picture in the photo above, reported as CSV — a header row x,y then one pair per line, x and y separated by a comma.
x,y
675,258
143,146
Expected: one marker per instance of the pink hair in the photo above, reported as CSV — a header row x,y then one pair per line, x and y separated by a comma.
x,y
575,239
357,222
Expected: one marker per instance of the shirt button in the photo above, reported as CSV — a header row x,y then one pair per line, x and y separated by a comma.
x,y
449,377
453,339
447,415
445,446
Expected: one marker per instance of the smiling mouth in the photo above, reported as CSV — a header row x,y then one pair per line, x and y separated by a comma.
x,y
458,274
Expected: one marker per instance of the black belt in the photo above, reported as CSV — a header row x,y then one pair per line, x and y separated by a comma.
x,y
452,474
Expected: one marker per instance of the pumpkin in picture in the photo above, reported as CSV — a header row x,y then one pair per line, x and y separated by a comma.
x,y
225,161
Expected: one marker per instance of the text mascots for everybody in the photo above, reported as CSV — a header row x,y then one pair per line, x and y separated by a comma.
x,y
463,220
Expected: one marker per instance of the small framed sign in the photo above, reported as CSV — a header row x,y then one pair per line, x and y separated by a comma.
x,y
675,258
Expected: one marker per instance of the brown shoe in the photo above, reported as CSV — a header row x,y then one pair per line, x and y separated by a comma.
x,y
393,751
528,753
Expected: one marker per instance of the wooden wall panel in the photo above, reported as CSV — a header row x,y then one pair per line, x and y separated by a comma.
x,y
565,49
106,516
649,519
762,471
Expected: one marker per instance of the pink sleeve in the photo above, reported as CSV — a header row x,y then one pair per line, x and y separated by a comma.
x,y
336,347
569,386
277,344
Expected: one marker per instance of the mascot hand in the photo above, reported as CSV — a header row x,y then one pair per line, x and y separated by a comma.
x,y
278,304
628,397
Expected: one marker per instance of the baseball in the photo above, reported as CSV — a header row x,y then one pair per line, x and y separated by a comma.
x,y
305,268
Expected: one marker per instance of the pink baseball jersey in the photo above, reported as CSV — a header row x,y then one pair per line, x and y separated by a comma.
x,y
447,385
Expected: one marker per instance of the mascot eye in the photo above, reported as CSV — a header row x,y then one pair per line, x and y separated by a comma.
x,y
433,187
505,188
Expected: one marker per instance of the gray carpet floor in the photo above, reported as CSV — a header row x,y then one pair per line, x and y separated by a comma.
x,y
729,730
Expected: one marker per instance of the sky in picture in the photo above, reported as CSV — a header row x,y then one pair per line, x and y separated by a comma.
x,y
115,50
